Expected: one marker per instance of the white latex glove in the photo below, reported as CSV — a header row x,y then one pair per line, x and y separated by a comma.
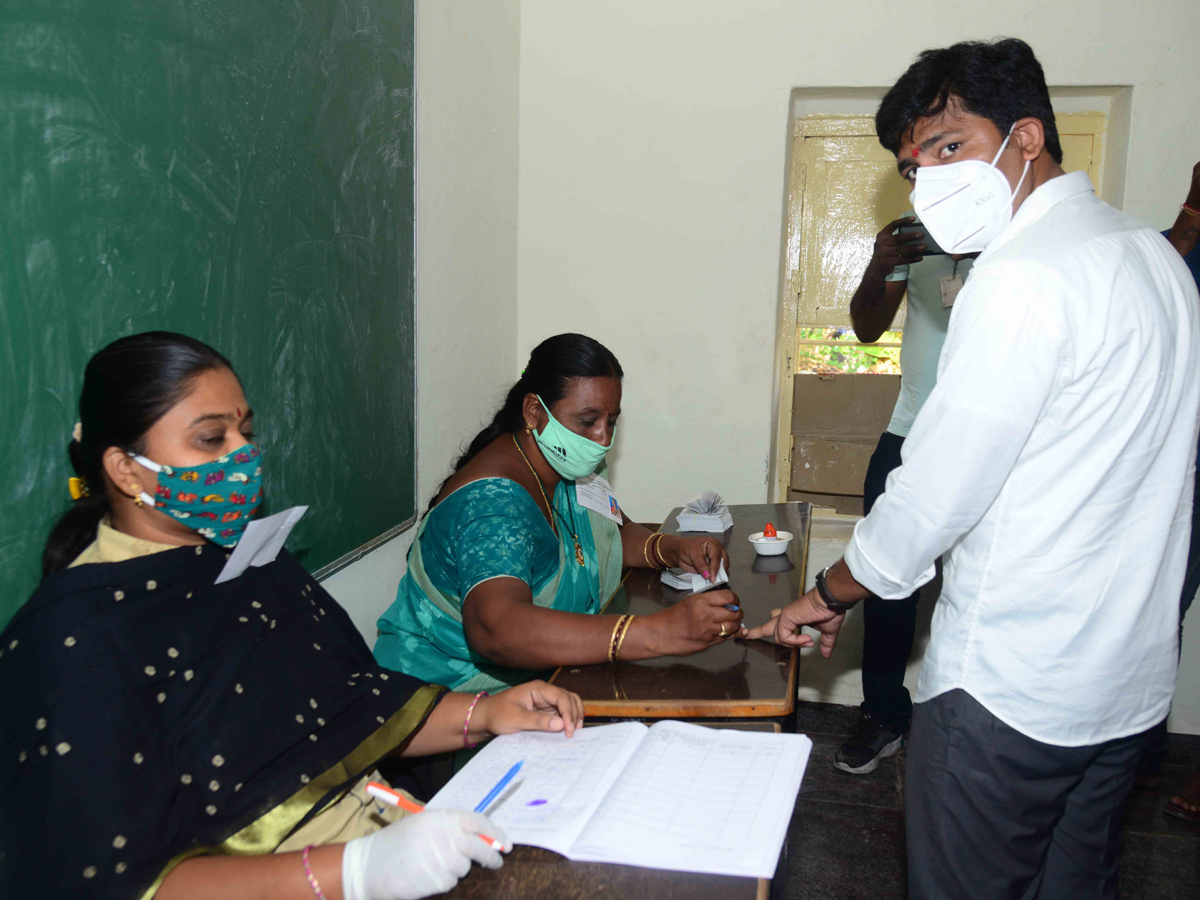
x,y
421,855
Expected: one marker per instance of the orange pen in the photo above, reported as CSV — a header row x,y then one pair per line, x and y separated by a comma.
x,y
395,798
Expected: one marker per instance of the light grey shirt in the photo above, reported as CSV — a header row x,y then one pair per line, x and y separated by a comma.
x,y
925,326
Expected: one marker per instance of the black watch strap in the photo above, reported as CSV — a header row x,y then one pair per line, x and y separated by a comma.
x,y
834,604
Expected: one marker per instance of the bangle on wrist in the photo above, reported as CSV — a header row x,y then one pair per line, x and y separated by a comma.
x,y
614,639
658,550
467,721
312,879
621,640
646,552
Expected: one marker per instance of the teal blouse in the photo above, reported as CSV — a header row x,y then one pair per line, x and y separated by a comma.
x,y
486,529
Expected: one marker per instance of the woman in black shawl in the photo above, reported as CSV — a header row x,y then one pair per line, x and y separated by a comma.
x,y
167,736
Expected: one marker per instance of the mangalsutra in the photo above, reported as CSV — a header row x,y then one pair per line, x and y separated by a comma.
x,y
578,548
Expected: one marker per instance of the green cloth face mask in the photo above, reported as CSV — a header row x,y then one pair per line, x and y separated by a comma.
x,y
571,455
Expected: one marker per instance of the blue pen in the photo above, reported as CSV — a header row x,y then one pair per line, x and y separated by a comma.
x,y
500,785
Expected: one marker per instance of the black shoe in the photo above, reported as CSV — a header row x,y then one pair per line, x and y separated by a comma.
x,y
872,740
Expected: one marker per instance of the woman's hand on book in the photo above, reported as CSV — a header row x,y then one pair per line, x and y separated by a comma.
x,y
532,706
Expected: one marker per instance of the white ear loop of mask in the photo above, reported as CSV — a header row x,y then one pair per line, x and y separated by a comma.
x,y
996,159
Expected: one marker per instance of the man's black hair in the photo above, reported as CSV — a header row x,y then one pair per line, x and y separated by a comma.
x,y
1002,81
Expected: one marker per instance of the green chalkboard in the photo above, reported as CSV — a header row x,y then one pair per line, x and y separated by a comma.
x,y
238,170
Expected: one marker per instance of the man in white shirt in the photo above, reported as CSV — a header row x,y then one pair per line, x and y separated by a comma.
x,y
1052,466
903,263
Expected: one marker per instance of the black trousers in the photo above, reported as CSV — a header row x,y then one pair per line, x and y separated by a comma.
x,y
888,625
991,813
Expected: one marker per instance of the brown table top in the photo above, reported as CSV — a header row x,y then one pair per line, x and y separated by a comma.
x,y
736,678
530,873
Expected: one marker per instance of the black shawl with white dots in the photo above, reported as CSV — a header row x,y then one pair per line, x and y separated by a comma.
x,y
150,715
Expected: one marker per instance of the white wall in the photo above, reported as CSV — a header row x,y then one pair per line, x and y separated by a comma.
x,y
652,179
466,259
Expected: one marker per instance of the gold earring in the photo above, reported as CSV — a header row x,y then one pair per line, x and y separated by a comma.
x,y
137,495
528,430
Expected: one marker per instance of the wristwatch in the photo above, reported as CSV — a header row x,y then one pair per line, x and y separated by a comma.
x,y
834,605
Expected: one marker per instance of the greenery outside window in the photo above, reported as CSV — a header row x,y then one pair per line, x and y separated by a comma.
x,y
837,350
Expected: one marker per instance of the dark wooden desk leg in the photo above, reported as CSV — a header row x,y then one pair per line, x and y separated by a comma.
x,y
779,884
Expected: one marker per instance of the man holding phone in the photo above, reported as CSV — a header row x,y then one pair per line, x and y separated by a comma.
x,y
905,260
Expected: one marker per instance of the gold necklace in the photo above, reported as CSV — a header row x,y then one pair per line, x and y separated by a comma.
x,y
578,549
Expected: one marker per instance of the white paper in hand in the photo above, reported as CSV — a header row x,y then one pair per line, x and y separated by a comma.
x,y
693,582
261,542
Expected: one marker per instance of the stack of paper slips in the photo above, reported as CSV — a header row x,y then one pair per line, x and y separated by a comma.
x,y
705,512
693,582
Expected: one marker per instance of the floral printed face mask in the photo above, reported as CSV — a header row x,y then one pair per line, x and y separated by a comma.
x,y
215,499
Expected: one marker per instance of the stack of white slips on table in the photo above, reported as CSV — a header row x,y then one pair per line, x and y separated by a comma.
x,y
705,512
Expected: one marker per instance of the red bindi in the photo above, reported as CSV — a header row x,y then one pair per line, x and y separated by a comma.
x,y
239,412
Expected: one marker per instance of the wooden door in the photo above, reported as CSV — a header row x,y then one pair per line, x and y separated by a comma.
x,y
843,188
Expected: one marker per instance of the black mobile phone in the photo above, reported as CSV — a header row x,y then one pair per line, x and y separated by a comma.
x,y
931,247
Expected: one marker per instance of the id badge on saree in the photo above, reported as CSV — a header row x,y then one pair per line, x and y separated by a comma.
x,y
595,493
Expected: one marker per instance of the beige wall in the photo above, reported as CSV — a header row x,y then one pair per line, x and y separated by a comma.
x,y
652,177
466,269
650,172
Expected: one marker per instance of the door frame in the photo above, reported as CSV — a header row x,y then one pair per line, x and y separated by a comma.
x,y
794,260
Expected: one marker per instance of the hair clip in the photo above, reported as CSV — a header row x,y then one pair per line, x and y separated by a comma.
x,y
77,432
78,487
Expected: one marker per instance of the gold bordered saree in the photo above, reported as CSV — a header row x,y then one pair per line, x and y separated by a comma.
x,y
152,716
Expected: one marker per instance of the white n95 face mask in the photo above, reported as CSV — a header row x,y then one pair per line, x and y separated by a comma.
x,y
965,205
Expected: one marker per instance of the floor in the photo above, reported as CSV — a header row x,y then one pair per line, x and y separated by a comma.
x,y
846,839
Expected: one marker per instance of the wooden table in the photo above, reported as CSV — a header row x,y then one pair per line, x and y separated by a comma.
x,y
731,680
530,873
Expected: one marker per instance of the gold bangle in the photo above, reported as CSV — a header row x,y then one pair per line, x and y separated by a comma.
x,y
658,550
612,641
646,554
1190,210
621,642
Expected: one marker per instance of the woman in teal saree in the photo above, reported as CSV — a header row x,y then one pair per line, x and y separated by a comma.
x,y
516,557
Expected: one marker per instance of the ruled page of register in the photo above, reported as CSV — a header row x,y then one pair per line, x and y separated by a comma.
x,y
674,796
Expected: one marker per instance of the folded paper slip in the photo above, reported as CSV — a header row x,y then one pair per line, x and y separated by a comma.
x,y
692,582
261,542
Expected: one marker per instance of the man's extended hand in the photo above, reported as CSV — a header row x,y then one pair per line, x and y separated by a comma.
x,y
784,624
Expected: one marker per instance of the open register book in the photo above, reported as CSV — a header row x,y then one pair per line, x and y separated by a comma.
x,y
672,796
